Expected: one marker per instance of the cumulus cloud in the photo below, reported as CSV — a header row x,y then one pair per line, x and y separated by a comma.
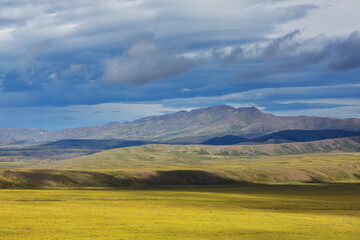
x,y
144,61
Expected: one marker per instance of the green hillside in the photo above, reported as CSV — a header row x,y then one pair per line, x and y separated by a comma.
x,y
199,156
305,168
332,160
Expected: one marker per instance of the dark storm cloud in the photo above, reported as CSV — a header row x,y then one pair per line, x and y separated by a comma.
x,y
339,55
285,54
346,54
275,49
278,46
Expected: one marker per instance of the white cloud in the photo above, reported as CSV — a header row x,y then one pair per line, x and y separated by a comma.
x,y
81,24
185,90
53,76
334,18
345,101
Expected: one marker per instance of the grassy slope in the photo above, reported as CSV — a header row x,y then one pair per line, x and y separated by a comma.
x,y
194,164
220,170
247,212
200,156
38,156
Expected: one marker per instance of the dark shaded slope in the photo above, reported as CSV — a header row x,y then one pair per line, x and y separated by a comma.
x,y
119,179
284,136
64,149
306,135
226,140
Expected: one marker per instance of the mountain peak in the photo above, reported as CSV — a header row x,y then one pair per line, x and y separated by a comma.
x,y
215,108
250,109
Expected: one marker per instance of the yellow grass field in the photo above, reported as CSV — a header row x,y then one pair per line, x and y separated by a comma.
x,y
130,194
311,211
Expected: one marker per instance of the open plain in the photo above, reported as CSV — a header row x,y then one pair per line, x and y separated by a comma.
x,y
312,211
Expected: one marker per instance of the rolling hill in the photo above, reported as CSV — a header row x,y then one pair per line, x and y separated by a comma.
x,y
195,156
24,156
194,126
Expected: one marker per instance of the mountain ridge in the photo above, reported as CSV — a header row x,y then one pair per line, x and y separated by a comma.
x,y
185,126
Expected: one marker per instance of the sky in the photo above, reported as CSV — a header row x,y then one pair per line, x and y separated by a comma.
x,y
78,63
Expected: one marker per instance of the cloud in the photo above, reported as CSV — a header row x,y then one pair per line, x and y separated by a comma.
x,y
287,54
273,49
346,54
144,61
73,69
338,55
185,90
34,51
56,55
46,37
282,95
278,46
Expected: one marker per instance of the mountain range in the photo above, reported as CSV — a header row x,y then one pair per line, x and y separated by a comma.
x,y
185,127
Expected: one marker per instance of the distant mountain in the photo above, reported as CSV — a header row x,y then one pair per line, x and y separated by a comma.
x,y
283,136
20,135
93,144
64,149
194,126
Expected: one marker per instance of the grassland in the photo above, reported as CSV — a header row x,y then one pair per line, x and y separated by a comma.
x,y
200,170
200,156
186,192
53,154
182,165
246,212
28,156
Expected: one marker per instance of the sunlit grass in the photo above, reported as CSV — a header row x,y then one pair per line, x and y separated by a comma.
x,y
248,212
167,157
